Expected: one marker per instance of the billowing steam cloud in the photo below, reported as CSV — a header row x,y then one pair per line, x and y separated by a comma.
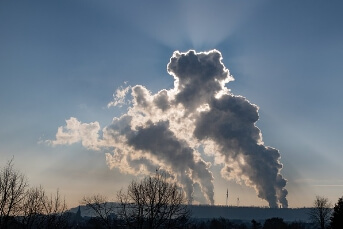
x,y
166,130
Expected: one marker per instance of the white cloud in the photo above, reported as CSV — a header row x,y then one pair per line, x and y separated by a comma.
x,y
119,97
75,131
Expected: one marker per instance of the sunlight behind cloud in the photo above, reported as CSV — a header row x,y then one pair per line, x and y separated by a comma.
x,y
201,25
209,23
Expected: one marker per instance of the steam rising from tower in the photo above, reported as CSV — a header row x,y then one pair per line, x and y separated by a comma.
x,y
166,130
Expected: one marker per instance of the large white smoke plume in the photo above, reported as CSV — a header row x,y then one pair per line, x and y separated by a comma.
x,y
166,130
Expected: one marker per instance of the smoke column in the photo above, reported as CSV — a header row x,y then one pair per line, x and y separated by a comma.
x,y
166,129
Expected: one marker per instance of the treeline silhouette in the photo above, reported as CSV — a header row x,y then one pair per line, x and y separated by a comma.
x,y
22,206
153,202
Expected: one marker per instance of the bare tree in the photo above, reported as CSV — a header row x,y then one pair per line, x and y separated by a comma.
x,y
32,207
103,209
54,210
152,203
28,206
41,211
13,185
320,212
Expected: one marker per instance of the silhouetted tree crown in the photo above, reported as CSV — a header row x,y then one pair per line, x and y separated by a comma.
x,y
25,207
154,202
255,224
274,223
103,210
337,215
13,185
321,212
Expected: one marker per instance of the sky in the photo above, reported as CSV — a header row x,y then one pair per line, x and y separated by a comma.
x,y
86,86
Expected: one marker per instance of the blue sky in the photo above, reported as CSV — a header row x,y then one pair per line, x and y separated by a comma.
x,y
66,59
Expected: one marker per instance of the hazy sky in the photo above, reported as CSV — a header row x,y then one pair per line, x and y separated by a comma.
x,y
64,59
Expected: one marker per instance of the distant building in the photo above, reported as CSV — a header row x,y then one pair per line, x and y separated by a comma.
x,y
78,219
